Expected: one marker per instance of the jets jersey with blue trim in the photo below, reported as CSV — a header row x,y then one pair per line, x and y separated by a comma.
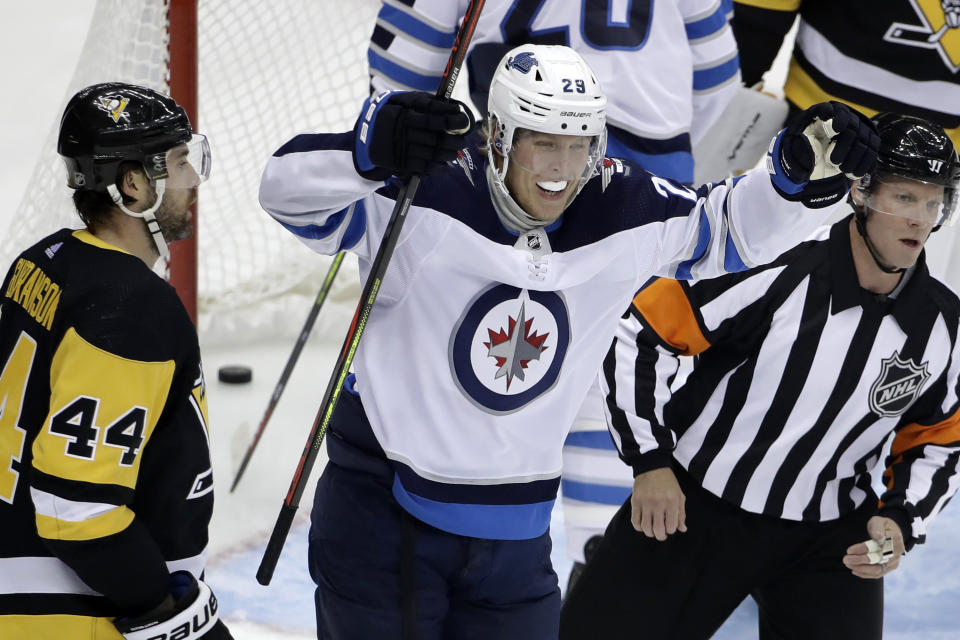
x,y
482,343
668,68
105,480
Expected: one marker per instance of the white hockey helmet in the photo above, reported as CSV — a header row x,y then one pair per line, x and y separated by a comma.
x,y
547,89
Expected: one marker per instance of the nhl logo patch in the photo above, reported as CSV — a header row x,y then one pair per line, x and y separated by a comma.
x,y
897,386
509,346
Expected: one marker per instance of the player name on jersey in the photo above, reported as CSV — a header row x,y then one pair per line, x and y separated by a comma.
x,y
33,290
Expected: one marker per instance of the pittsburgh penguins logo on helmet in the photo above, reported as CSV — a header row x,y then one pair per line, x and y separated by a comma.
x,y
109,123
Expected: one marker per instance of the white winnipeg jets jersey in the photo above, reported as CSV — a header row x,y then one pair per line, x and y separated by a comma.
x,y
668,68
483,343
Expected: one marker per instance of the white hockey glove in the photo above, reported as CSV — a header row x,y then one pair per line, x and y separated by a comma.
x,y
880,552
195,614
817,156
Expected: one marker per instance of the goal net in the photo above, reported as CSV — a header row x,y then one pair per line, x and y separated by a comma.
x,y
266,71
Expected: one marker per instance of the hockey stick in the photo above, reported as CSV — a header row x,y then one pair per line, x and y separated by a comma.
x,y
291,363
367,297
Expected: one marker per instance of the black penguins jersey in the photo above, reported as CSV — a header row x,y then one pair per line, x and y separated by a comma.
x,y
105,480
897,55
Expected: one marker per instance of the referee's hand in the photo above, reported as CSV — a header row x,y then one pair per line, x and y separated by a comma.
x,y
657,504
858,558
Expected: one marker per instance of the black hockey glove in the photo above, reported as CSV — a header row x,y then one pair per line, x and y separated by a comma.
x,y
407,133
817,156
195,614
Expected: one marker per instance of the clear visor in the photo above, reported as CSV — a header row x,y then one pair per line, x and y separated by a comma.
x,y
924,202
187,165
553,157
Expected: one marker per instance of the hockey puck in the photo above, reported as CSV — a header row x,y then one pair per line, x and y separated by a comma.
x,y
235,374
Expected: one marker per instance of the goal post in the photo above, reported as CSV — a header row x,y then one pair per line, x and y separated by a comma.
x,y
262,73
182,16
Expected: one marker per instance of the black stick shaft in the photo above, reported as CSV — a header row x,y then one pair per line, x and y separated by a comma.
x,y
367,298
291,363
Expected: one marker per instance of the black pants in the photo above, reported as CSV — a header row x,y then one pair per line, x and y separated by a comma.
x,y
685,587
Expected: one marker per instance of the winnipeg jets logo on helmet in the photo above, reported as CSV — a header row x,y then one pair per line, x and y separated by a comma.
x,y
523,62
114,106
509,346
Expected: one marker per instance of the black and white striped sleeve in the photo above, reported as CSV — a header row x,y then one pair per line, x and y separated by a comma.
x,y
922,469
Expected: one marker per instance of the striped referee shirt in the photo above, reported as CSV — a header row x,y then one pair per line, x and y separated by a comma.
x,y
801,377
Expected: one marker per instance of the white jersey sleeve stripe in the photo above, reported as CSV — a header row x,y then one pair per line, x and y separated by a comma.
x,y
717,73
418,27
706,23
392,68
48,504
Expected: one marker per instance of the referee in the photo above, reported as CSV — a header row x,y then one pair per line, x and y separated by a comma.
x,y
754,477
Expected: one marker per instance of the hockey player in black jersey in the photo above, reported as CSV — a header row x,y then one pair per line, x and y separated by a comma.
x,y
754,476
895,56
105,480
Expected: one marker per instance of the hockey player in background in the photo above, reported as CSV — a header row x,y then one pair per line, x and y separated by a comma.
x,y
668,70
754,477
899,55
520,253
106,488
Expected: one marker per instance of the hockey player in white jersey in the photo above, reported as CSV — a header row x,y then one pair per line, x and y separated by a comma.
x,y
519,255
669,69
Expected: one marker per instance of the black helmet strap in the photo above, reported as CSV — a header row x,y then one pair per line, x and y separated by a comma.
x,y
860,215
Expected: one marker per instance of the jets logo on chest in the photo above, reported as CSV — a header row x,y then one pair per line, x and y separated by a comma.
x,y
508,347
514,349
897,386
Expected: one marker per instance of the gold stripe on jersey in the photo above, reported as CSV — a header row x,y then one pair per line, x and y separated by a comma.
x,y
199,394
85,236
803,91
106,524
103,409
776,5
35,291
61,627
13,387
667,310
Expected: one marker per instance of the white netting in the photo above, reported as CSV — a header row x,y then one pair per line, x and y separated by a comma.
x,y
267,71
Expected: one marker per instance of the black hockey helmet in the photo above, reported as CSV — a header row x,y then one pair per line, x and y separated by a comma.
x,y
913,149
113,122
